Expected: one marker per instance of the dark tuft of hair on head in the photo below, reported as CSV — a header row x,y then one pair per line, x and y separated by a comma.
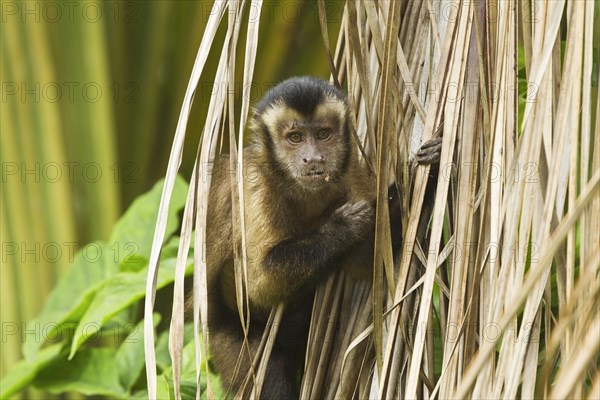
x,y
300,93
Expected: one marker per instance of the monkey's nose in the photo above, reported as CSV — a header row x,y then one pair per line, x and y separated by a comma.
x,y
312,159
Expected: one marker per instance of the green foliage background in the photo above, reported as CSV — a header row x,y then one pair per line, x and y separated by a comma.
x,y
90,97
91,93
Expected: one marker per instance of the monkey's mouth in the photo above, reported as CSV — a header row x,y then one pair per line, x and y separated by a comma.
x,y
314,173
315,176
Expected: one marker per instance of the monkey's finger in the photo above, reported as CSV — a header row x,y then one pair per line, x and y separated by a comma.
x,y
435,142
430,152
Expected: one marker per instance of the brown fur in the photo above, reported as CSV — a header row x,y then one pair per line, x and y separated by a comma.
x,y
287,217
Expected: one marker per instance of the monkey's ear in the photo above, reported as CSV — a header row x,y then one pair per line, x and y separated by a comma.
x,y
255,121
259,129
254,113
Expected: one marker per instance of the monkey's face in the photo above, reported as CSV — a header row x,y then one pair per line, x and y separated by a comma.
x,y
312,150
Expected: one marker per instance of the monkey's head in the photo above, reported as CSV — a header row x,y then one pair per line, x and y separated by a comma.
x,y
302,125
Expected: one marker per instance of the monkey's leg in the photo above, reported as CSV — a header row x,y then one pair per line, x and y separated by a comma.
x,y
281,377
287,356
226,341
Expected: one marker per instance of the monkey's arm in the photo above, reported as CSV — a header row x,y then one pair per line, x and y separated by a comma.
x,y
307,258
358,262
219,232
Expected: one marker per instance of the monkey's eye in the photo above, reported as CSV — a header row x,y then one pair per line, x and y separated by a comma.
x,y
323,134
295,137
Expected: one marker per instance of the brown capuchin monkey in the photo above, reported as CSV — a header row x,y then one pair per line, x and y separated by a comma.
x,y
310,210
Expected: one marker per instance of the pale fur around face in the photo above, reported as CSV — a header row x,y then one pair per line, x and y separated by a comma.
x,y
331,106
279,119
279,114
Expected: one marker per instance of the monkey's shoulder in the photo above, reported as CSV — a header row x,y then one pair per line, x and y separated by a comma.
x,y
361,184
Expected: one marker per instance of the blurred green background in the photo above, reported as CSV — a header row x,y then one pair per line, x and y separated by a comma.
x,y
91,93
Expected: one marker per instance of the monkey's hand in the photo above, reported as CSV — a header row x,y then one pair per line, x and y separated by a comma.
x,y
352,221
430,152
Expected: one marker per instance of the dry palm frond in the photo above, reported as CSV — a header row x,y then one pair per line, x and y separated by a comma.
x,y
499,273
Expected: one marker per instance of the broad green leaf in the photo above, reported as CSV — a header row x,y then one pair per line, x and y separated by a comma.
x,y
163,358
188,371
130,356
70,297
188,385
134,263
93,372
188,375
163,392
164,388
22,373
134,232
138,262
118,293
97,261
